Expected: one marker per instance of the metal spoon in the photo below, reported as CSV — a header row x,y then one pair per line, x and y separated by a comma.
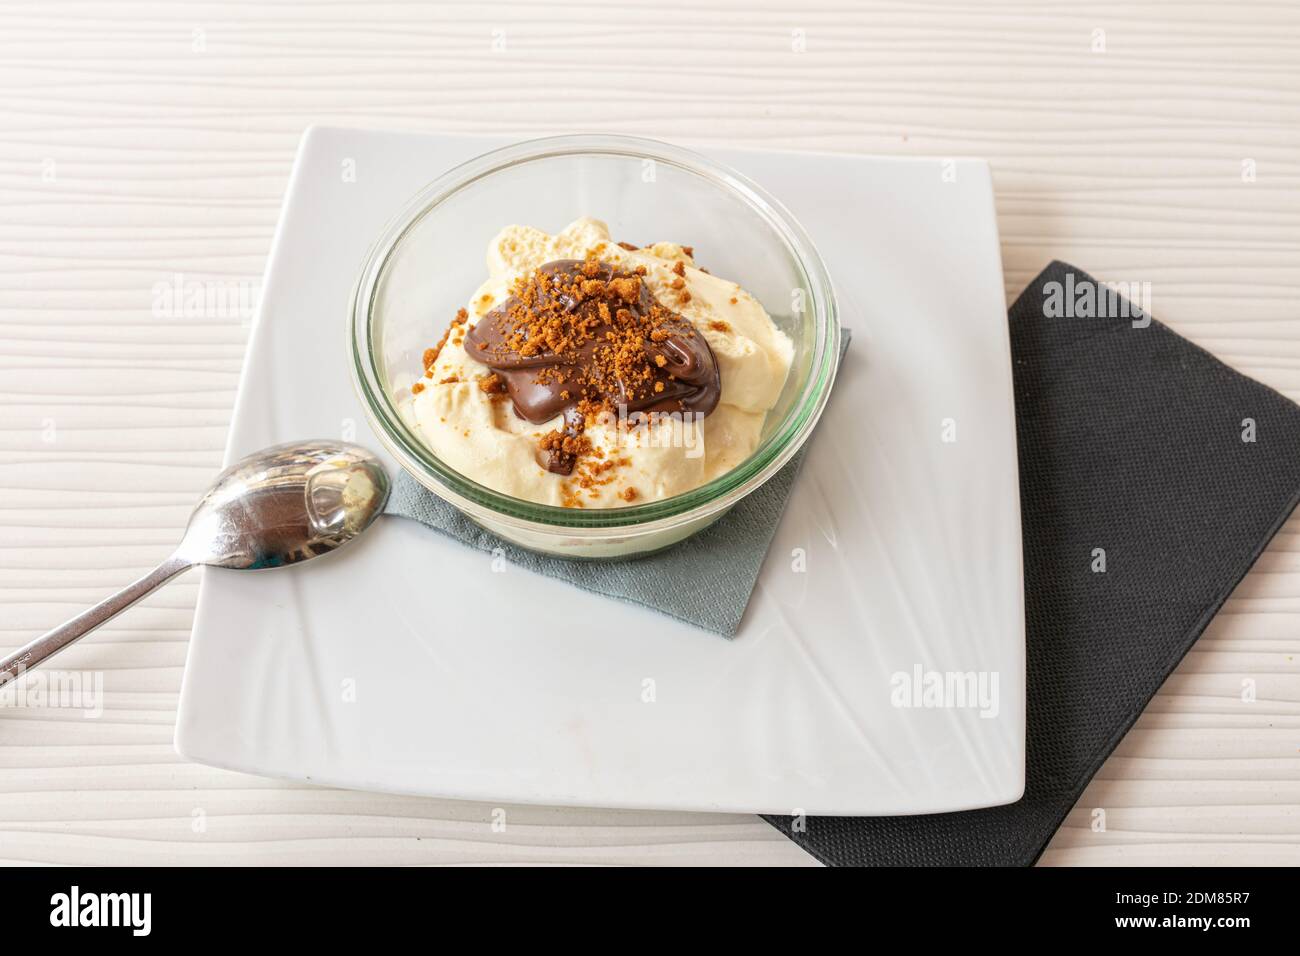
x,y
279,506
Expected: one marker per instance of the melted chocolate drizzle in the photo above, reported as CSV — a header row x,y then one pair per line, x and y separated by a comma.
x,y
547,384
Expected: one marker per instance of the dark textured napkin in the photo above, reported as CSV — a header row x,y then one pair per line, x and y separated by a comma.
x,y
1132,440
705,580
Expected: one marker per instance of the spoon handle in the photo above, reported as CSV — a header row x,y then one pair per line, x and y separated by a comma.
x,y
51,642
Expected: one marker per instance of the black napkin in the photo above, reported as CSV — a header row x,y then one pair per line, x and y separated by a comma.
x,y
1131,440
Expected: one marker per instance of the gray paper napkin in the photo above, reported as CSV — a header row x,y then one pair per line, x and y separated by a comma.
x,y
705,580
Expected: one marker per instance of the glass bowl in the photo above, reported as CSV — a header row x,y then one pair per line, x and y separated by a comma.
x,y
431,258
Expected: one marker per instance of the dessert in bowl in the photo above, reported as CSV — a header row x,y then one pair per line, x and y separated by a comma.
x,y
647,340
590,373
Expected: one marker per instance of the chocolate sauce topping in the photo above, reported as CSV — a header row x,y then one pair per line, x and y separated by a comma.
x,y
579,334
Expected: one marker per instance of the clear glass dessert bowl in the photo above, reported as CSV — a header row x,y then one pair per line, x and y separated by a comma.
x,y
430,259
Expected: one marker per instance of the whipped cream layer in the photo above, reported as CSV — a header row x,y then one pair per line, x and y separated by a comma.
x,y
481,436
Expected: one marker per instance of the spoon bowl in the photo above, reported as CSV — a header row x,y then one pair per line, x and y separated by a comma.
x,y
286,504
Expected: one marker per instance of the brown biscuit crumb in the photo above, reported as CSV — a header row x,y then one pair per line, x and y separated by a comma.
x,y
627,288
628,246
576,445
628,494
417,388
679,268
717,325
492,384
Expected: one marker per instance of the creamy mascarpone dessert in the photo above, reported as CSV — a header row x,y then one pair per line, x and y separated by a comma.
x,y
589,373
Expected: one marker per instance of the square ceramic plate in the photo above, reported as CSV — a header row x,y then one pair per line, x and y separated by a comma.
x,y
899,554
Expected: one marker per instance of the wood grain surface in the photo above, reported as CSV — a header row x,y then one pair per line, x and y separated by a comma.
x,y
1150,141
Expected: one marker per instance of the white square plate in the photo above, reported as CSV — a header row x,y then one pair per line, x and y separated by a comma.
x,y
900,549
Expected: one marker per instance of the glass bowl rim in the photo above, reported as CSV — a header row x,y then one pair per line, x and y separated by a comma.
x,y
484,503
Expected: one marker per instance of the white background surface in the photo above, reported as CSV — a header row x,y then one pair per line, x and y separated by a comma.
x,y
142,140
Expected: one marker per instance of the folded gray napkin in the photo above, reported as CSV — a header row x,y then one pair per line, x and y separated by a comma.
x,y
705,580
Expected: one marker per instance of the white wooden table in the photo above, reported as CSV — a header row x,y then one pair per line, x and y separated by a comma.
x,y
1140,140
